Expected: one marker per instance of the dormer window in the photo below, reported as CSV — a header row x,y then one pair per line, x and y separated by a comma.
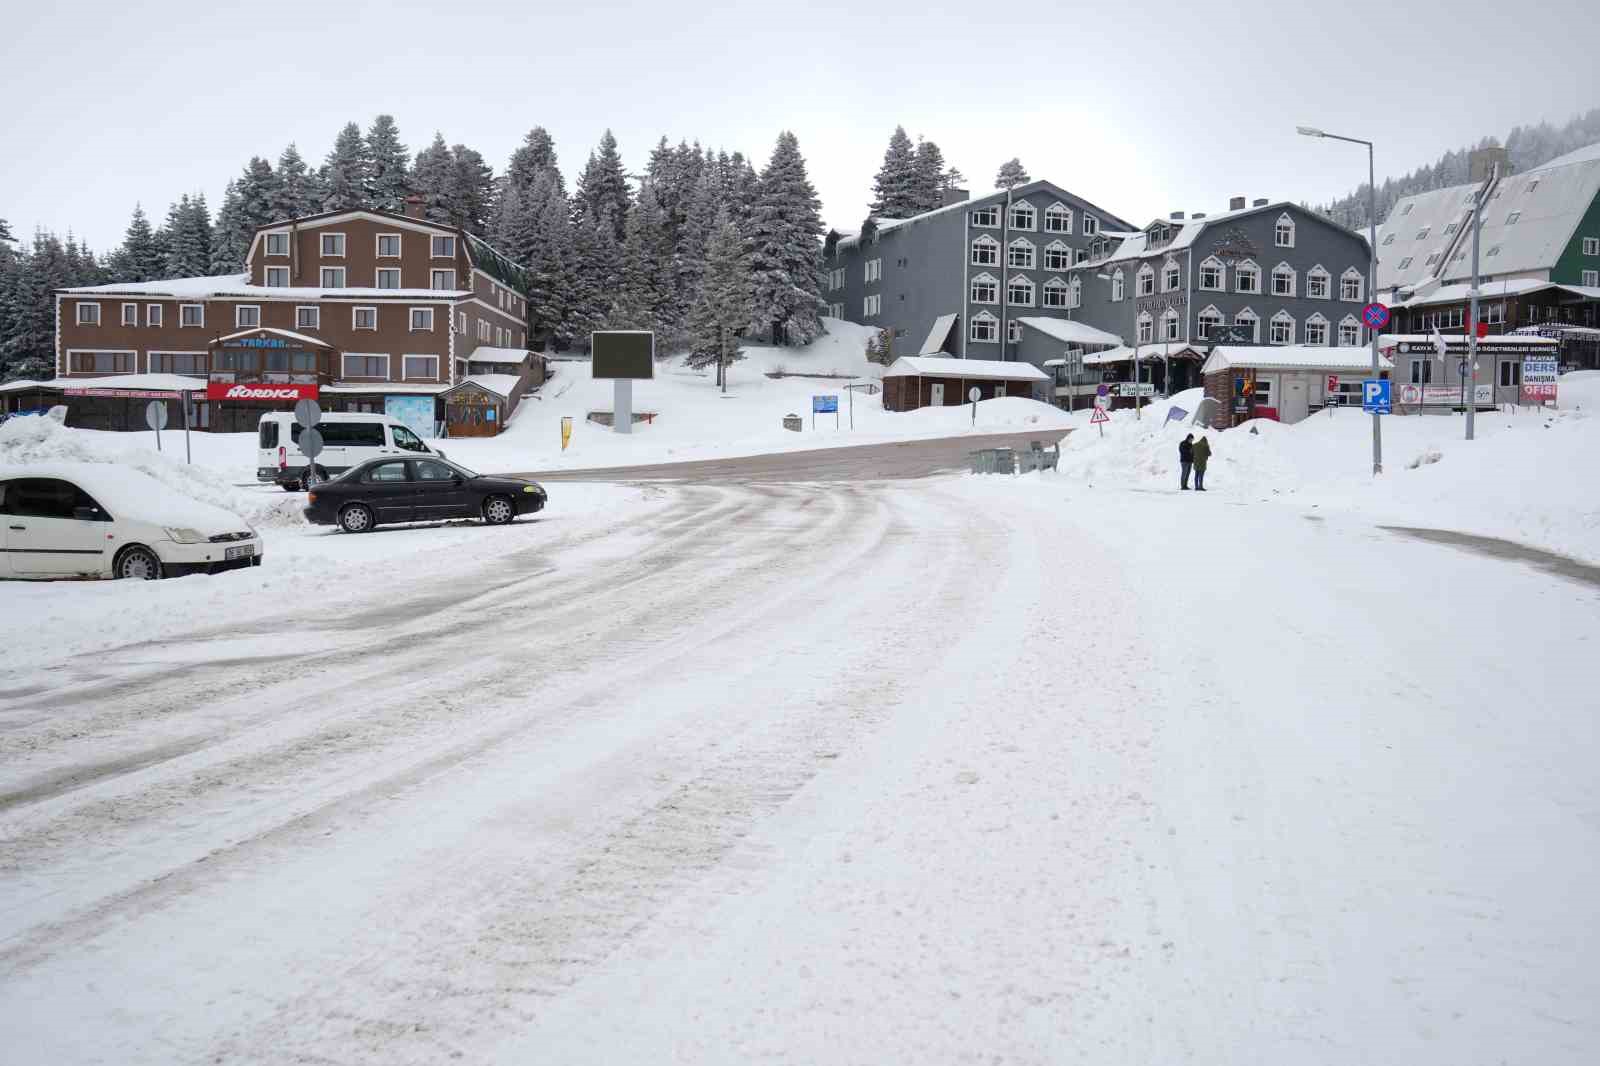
x,y
1283,232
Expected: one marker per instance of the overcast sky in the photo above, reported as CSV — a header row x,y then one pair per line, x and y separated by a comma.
x,y
1141,107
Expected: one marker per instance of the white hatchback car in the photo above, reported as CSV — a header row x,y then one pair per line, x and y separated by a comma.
x,y
102,520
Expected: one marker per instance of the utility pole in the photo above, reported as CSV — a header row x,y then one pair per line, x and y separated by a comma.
x,y
1472,324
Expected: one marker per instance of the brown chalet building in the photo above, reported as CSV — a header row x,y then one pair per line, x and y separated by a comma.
x,y
360,310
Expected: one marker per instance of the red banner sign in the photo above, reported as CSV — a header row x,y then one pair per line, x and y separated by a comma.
x,y
265,392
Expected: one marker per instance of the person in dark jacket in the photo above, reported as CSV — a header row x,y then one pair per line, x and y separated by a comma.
x,y
1185,459
1202,454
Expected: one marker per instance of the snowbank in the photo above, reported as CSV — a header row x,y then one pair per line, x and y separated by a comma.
x,y
44,440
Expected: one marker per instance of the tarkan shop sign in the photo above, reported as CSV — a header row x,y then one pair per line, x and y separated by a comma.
x,y
258,342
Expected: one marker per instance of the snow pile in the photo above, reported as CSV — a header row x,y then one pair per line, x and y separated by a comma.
x,y
44,440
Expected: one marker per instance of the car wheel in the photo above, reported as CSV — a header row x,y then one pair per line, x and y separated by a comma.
x,y
498,510
357,518
138,564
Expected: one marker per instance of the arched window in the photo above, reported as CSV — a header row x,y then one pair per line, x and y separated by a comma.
x,y
1145,281
1169,324
1023,215
1020,253
1349,331
1283,232
1055,293
985,328
985,289
1208,320
1319,283
1117,285
1076,299
1283,280
1019,292
1014,330
1247,276
1316,330
1211,274
1282,328
1351,285
1146,327
1058,218
1170,275
1091,225
1250,321
985,251
1057,256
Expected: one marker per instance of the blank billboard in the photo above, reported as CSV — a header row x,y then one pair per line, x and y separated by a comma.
x,y
624,353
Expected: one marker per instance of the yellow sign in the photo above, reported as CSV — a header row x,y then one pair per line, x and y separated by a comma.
x,y
566,431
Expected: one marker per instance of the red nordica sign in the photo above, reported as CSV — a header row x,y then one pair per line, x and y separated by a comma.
x,y
269,392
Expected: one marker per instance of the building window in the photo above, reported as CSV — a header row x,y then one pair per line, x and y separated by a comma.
x,y
1351,285
985,289
1146,327
389,278
1091,225
178,363
1055,293
985,328
333,277
246,316
1019,292
1014,331
1023,216
1432,259
152,315
1349,332
1169,276
1316,330
1389,239
1247,318
1058,219
1511,219
1208,320
872,305
413,367
1145,281
1075,293
1510,373
1247,277
1591,279
130,314
1591,246
1057,256
364,318
836,311
191,315
277,277
1493,314
873,270
1283,232
101,362
366,366
1283,280
1449,229
483,331
308,318
1407,262
1169,325
422,320
277,244
985,251
1422,371
1211,274
88,314
1020,253
461,322
1319,284
1282,330
987,216
333,246
1422,234
388,246
443,248
1495,250
1117,285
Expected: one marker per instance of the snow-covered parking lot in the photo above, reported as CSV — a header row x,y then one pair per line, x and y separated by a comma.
x,y
1051,768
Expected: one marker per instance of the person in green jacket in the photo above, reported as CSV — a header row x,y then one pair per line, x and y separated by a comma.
x,y
1202,453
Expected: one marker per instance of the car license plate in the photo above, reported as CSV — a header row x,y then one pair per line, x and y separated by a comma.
x,y
243,551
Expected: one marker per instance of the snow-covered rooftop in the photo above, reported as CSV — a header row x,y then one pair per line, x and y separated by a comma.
x,y
1070,332
938,335
1292,357
501,385
886,224
487,354
153,382
238,285
390,387
1389,340
978,369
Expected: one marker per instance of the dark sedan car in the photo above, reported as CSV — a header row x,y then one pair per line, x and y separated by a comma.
x,y
382,492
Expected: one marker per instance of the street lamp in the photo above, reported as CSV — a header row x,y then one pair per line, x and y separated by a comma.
x,y
1372,283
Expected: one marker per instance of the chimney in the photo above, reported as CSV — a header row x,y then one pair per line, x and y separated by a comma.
x,y
1483,160
1236,204
1176,216
1259,203
414,206
952,196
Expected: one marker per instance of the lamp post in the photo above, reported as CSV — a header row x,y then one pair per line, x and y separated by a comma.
x,y
1372,282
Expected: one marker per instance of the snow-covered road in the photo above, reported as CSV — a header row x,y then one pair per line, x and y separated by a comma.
x,y
924,771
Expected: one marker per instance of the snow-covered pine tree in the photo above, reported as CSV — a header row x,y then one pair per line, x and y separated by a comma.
x,y
722,307
1011,174
258,190
694,238
471,190
645,300
549,262
188,240
344,175
230,237
295,194
603,188
785,234
30,348
596,266
894,188
932,177
388,170
140,259
741,186
5,231
432,177
536,154
506,226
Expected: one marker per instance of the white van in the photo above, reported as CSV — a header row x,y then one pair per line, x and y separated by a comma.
x,y
347,440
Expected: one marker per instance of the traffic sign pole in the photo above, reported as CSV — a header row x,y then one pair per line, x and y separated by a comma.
x,y
1376,316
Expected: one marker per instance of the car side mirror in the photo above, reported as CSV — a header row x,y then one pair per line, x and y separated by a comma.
x,y
87,514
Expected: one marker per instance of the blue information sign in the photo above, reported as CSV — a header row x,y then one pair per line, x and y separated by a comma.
x,y
1375,396
824,405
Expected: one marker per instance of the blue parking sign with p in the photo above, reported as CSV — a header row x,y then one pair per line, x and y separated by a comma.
x,y
1375,396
